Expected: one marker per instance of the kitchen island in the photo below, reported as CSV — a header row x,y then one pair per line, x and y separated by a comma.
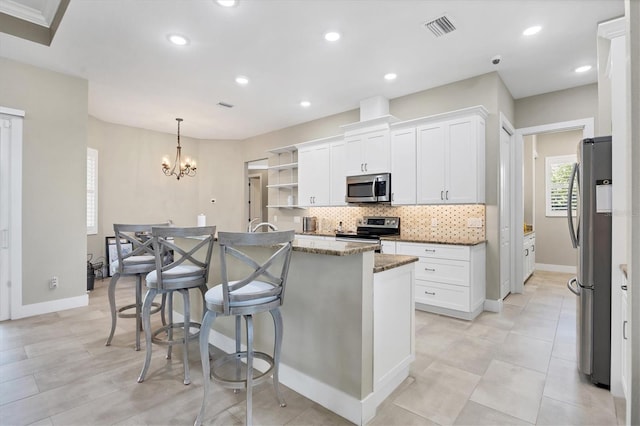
x,y
348,331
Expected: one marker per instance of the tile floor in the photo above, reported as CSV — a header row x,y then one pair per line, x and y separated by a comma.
x,y
513,368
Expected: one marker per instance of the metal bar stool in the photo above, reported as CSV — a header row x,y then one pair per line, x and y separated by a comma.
x,y
261,290
188,269
135,257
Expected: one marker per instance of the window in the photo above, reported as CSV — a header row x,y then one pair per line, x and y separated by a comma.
x,y
557,174
92,191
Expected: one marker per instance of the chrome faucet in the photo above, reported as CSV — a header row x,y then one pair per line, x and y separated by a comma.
x,y
255,228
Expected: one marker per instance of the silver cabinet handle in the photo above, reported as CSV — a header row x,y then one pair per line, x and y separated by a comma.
x,y
533,248
442,195
526,252
624,329
366,167
432,293
430,250
429,269
446,195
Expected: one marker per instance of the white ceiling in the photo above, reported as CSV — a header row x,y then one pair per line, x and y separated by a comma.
x,y
137,78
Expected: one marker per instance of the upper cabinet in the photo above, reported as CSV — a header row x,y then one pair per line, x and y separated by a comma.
x,y
450,160
315,172
338,173
368,153
403,166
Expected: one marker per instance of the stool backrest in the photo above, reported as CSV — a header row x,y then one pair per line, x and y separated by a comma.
x,y
187,267
273,271
139,237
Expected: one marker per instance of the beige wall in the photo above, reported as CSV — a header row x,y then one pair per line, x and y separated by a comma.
x,y
563,105
53,178
133,189
553,245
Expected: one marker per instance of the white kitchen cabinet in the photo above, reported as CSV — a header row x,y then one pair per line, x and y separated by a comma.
x,y
451,163
338,173
529,255
387,247
450,279
403,166
368,153
283,178
314,175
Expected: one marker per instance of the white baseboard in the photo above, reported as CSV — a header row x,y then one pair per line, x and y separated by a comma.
x,y
556,268
51,306
493,305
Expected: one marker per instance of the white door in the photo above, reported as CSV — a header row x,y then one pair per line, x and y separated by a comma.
x,y
505,213
376,150
10,213
5,291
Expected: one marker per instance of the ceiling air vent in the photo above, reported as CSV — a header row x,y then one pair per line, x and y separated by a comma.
x,y
225,105
440,26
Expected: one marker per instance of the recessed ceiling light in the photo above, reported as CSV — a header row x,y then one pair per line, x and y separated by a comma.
x,y
390,76
332,36
583,68
532,30
227,3
178,40
305,104
242,80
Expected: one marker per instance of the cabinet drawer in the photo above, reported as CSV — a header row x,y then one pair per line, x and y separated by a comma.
x,y
443,271
440,251
443,295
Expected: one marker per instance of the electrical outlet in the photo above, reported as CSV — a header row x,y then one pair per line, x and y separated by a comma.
x,y
296,219
474,222
53,282
434,222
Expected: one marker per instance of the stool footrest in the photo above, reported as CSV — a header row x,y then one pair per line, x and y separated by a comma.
x,y
174,326
155,308
238,381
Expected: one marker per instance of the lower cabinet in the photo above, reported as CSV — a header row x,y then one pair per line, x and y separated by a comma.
x,y
528,256
626,344
450,279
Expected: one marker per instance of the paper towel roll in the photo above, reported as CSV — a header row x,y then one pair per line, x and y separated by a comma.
x,y
202,220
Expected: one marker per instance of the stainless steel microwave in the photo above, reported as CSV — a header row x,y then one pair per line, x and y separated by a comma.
x,y
374,188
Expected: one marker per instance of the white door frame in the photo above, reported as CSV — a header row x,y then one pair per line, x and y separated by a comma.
x,y
513,167
587,127
13,289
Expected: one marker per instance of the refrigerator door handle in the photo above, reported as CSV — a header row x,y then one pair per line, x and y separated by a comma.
x,y
574,288
572,231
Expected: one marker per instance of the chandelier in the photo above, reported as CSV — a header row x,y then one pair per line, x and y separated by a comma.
x,y
186,168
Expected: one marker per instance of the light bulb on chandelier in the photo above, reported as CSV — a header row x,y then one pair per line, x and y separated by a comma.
x,y
184,168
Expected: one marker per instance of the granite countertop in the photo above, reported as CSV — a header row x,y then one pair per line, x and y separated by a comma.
x,y
384,262
332,247
462,240
529,233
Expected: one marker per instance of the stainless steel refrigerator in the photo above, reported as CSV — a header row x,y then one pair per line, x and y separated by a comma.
x,y
591,235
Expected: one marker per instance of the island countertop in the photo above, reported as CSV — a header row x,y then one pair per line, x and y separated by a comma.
x,y
332,247
384,262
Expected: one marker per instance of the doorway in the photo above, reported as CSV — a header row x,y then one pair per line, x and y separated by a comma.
x,y
586,125
257,190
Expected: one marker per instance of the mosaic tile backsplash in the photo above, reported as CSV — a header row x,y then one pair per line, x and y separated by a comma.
x,y
438,223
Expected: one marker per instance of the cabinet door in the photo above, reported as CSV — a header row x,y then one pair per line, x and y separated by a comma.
x,y
403,166
353,155
430,164
376,152
462,159
338,173
313,176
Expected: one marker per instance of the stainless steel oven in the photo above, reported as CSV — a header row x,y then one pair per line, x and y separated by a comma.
x,y
371,228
